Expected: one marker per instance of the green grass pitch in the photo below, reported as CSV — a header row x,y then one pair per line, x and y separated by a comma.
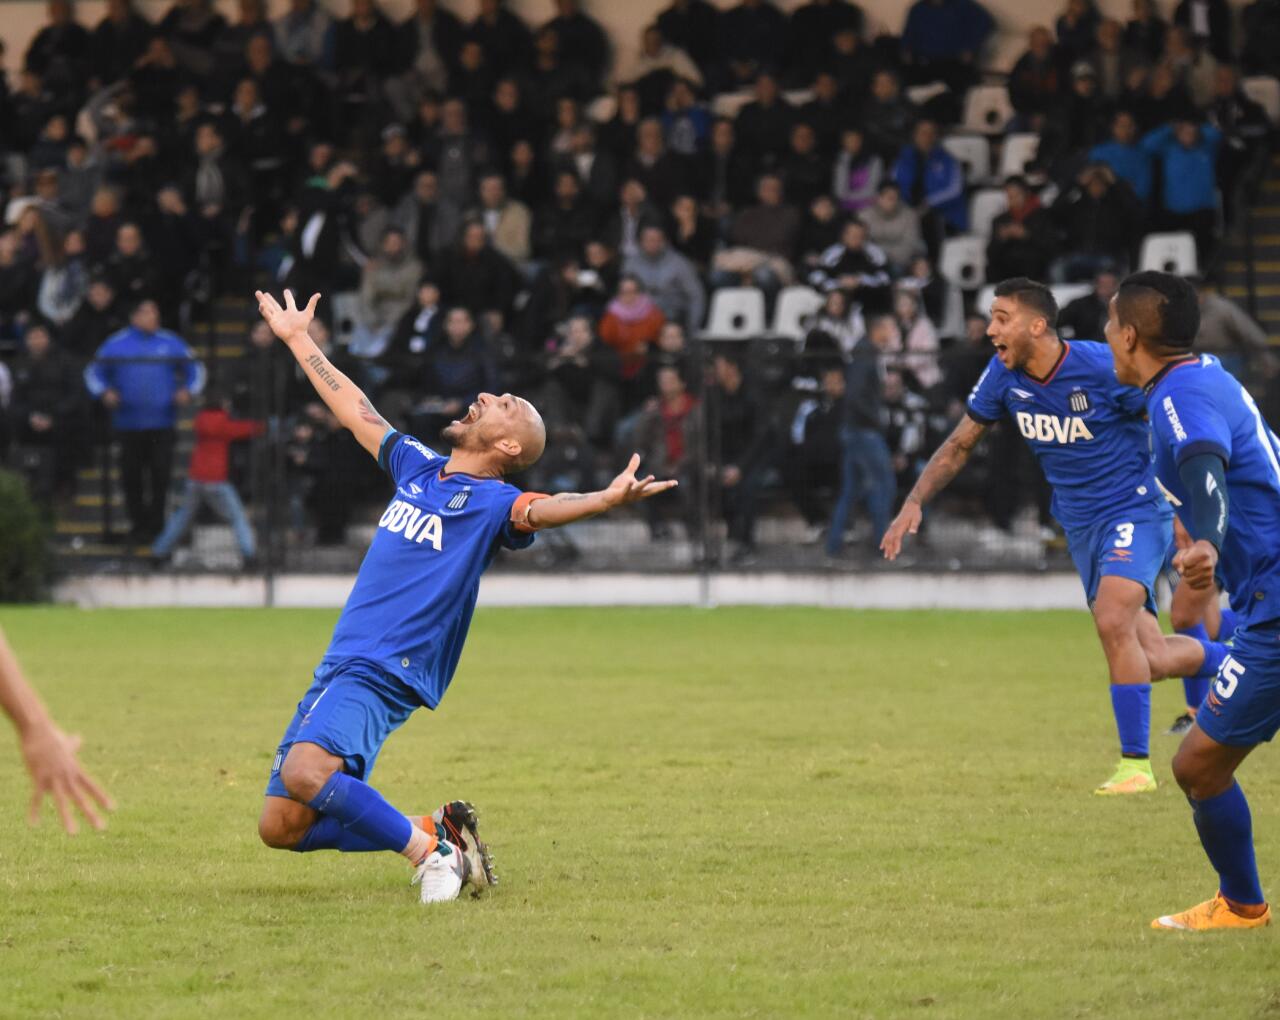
x,y
728,813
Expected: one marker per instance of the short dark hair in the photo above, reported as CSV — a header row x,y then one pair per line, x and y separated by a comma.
x,y
1033,294
1162,308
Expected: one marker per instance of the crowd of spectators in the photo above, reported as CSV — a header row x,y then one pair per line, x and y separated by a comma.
x,y
474,223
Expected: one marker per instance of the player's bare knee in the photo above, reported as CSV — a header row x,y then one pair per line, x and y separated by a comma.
x,y
275,834
1115,627
305,771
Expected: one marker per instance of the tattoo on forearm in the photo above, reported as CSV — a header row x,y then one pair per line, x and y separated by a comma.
x,y
571,497
324,372
946,463
367,413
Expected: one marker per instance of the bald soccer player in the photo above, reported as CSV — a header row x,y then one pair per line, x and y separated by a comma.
x,y
399,637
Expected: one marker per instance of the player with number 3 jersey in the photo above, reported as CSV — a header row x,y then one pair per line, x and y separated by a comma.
x,y
1089,434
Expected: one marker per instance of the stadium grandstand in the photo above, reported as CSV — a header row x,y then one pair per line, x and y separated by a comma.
x,y
754,242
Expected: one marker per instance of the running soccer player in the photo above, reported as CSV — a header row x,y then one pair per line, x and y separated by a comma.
x,y
1090,438
1219,464
399,637
49,754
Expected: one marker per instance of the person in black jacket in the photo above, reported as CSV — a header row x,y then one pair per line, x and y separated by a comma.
x,y
740,452
1209,22
476,277
46,410
1100,220
691,25
1085,317
1244,126
456,372
866,467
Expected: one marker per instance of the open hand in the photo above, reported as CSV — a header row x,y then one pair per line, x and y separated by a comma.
x,y
50,756
626,488
906,523
289,322
1197,564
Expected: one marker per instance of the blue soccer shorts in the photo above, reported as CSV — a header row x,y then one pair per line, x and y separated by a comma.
x,y
1243,704
349,710
1129,544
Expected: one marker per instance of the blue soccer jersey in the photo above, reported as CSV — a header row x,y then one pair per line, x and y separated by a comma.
x,y
1085,428
1197,407
416,590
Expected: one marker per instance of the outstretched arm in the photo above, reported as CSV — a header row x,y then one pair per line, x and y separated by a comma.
x,y
343,397
567,507
943,466
50,754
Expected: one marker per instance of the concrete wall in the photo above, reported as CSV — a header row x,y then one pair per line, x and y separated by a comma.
x,y
623,19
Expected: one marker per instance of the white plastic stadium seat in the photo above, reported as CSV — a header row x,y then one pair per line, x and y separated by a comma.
x,y
973,152
985,296
1169,253
727,104
964,260
346,316
1265,91
794,304
984,207
921,94
1065,293
987,109
952,324
602,109
1019,150
737,313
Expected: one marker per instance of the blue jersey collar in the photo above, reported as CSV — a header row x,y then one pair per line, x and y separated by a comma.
x,y
1169,367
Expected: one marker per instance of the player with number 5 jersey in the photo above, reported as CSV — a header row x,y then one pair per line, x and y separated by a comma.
x,y
1089,434
1219,464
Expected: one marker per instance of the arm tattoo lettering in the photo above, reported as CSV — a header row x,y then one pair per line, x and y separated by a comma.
x,y
323,372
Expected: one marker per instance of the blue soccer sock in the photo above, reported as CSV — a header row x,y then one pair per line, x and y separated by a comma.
x,y
1227,628
365,813
1226,833
329,834
1196,687
1214,653
1131,704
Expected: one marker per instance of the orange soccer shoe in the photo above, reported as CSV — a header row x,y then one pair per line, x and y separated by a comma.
x,y
1210,916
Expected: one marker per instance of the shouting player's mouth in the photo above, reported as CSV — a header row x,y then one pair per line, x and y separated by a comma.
x,y
473,412
1002,352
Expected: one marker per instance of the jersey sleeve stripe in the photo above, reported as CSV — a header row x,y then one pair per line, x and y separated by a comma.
x,y
1200,446
389,440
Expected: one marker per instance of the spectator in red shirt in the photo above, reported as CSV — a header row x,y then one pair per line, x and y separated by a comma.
x,y
207,482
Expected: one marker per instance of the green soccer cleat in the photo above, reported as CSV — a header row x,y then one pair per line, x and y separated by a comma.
x,y
1132,775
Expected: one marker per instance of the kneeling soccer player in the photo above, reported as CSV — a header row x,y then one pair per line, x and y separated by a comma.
x,y
1220,464
1088,432
401,632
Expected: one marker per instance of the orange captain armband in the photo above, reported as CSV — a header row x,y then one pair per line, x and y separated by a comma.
x,y
520,510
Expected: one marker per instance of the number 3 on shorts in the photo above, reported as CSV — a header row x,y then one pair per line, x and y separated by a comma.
x,y
1124,536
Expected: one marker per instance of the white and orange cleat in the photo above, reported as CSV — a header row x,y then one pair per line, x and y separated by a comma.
x,y
1211,915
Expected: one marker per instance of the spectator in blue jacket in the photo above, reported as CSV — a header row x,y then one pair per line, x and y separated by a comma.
x,y
1128,160
143,375
942,39
933,183
1188,154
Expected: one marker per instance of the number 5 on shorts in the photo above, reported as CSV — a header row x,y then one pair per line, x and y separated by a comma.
x,y
1124,536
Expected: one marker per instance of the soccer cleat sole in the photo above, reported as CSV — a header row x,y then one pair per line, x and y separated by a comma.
x,y
461,821
1131,787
